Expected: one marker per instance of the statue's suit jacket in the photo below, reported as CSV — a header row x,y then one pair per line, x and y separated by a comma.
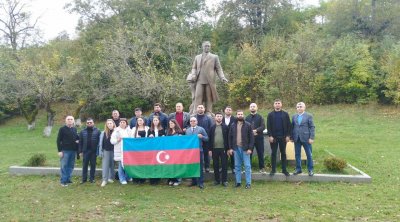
x,y
209,67
305,130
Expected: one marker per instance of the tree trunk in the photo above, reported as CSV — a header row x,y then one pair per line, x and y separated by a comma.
x,y
29,111
50,120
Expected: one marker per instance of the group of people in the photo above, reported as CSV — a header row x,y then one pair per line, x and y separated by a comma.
x,y
227,139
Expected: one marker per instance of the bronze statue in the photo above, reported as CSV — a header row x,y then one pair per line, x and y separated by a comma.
x,y
202,79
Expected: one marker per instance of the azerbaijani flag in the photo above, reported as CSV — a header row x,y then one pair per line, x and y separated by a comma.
x,y
162,157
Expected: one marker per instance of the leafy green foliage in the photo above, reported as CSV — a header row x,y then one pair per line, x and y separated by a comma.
x,y
335,163
37,159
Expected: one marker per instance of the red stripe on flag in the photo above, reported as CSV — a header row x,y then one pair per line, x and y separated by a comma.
x,y
162,157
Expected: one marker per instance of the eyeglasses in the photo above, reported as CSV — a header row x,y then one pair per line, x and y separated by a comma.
x,y
89,123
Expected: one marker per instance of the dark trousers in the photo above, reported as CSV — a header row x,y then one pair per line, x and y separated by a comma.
x,y
89,156
206,158
232,162
281,142
200,180
217,156
259,144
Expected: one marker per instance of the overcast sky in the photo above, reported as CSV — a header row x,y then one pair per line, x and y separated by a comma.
x,y
55,19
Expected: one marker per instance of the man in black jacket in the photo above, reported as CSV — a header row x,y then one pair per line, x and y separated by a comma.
x,y
278,125
218,148
67,146
258,126
241,142
88,145
228,120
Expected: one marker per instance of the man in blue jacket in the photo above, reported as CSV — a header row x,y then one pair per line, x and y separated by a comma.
x,y
88,148
157,112
303,134
194,129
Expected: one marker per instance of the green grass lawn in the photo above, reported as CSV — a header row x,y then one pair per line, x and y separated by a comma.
x,y
366,136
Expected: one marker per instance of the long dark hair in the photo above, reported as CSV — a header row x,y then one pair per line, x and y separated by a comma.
x,y
159,127
177,128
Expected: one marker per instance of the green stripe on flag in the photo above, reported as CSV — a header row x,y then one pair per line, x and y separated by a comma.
x,y
164,171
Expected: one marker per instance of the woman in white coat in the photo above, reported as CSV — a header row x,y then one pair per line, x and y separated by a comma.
x,y
123,131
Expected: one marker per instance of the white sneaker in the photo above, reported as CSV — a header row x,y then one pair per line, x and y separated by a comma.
x,y
110,181
170,183
130,180
103,184
176,184
124,183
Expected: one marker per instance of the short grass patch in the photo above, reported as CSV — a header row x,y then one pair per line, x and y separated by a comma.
x,y
365,136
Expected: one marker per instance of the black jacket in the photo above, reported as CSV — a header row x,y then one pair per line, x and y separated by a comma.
x,y
257,123
247,136
160,132
83,142
225,131
285,123
66,139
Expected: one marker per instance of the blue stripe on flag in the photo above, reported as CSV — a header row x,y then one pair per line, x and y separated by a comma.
x,y
161,143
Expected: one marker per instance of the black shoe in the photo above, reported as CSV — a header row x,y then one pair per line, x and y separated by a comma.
x,y
286,173
216,183
69,181
82,182
233,171
238,185
272,173
207,170
225,184
310,173
201,186
92,181
248,186
297,172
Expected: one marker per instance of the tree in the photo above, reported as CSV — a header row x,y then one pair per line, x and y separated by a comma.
x,y
16,24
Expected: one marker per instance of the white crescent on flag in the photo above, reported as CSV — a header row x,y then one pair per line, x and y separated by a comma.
x,y
165,159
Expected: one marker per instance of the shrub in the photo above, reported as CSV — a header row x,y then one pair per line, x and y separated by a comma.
x,y
38,159
335,164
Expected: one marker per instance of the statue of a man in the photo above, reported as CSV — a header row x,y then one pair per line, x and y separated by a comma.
x,y
202,79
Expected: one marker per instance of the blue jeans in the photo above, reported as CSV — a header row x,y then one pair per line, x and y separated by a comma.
x,y
121,173
241,156
200,180
308,151
67,163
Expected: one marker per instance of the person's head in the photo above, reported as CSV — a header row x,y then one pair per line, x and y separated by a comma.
x,y
239,115
138,112
89,123
155,124
69,121
218,117
179,107
110,124
206,46
193,121
174,127
140,122
115,114
108,127
278,105
228,111
123,123
157,107
301,107
200,109
253,108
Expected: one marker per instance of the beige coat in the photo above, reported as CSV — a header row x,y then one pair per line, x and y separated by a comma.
x,y
208,68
